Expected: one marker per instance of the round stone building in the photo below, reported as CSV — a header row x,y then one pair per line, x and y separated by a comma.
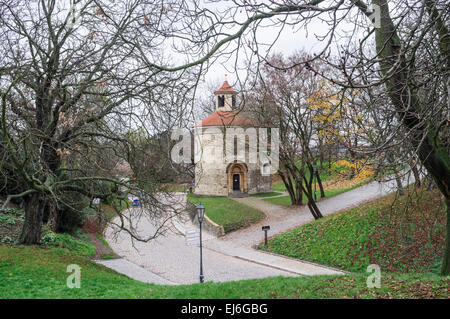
x,y
227,161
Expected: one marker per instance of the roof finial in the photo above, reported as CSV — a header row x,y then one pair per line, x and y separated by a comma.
x,y
226,77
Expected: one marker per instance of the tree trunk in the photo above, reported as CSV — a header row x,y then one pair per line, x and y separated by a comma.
x,y
352,161
287,185
53,216
298,193
315,211
431,151
445,269
416,174
34,212
398,180
319,181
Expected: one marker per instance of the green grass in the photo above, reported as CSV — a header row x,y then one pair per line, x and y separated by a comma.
x,y
279,187
11,222
396,238
176,187
66,241
227,212
35,272
103,240
325,174
108,256
282,200
267,194
286,200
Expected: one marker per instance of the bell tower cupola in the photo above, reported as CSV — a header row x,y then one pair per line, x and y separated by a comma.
x,y
225,97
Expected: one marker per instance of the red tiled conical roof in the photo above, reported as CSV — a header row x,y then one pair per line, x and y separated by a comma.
x,y
227,118
225,88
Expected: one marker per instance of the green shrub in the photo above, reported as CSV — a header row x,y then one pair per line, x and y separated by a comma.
x,y
7,240
7,220
48,239
51,239
71,215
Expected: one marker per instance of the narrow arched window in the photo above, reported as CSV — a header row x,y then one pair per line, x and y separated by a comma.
x,y
221,101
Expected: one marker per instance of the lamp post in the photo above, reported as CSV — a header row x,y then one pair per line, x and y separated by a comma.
x,y
200,214
315,181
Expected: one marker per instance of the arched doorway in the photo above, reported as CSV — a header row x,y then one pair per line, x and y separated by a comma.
x,y
236,182
237,177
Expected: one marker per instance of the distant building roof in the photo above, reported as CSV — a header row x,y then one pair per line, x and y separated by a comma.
x,y
228,118
225,88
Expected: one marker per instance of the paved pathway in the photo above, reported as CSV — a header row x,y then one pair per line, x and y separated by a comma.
x,y
169,257
134,271
230,257
282,219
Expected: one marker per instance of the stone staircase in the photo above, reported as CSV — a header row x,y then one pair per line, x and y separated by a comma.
x,y
237,194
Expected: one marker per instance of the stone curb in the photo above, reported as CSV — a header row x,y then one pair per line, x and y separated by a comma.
x,y
301,260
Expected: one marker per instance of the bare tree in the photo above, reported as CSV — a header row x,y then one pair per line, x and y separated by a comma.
x,y
280,99
73,80
409,59
406,55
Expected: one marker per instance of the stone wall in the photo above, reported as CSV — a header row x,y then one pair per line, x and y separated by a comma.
x,y
211,177
208,225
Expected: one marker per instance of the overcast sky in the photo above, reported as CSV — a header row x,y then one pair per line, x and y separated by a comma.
x,y
289,41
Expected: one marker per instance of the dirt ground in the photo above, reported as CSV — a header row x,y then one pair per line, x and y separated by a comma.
x,y
100,249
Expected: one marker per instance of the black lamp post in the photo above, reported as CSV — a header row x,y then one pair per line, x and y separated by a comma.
x,y
315,181
200,214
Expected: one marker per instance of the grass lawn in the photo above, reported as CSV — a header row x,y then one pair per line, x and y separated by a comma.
x,y
282,200
11,222
382,232
35,272
266,194
335,181
227,212
173,187
286,200
325,174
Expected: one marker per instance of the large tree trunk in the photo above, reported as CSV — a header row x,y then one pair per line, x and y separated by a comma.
x,y
416,174
53,214
34,211
298,193
445,270
315,211
398,180
319,181
292,188
431,151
